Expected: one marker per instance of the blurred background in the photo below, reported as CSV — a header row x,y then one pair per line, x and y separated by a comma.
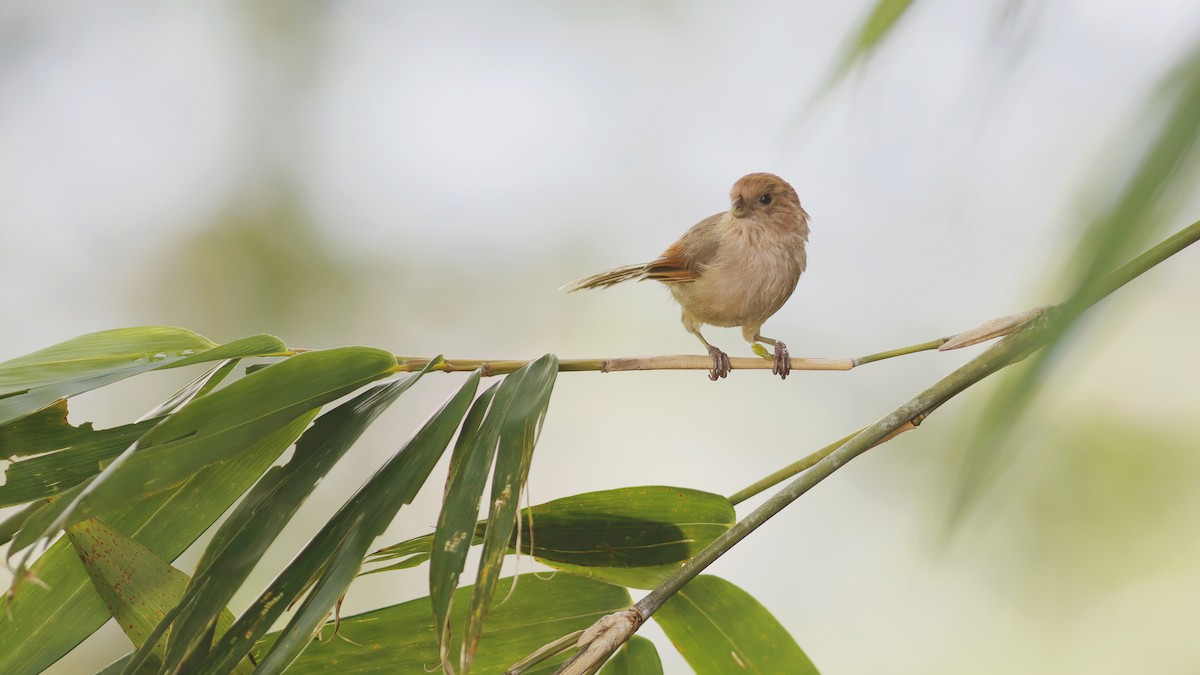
x,y
423,177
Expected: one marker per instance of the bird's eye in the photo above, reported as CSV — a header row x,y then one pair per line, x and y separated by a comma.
x,y
765,199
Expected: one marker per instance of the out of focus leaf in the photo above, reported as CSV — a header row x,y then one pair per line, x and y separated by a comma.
x,y
402,639
59,455
34,381
638,656
1163,171
331,560
137,586
519,429
48,622
219,427
719,629
879,23
245,535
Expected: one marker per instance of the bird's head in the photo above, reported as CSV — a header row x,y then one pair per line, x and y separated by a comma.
x,y
765,194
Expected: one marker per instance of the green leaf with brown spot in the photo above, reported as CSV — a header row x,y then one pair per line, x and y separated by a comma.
x,y
138,587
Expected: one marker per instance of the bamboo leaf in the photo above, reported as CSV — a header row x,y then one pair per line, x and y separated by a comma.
x,y
254,345
34,381
628,527
16,521
66,454
634,537
330,562
137,586
48,622
402,639
96,353
37,522
411,552
636,657
519,429
220,426
460,508
59,455
719,628
197,388
245,536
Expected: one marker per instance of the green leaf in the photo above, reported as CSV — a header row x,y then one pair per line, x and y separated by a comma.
x,y
412,552
628,527
455,530
636,657
34,381
636,536
59,455
46,623
194,390
37,522
255,345
16,521
244,537
96,353
519,429
330,562
402,639
220,426
719,628
137,586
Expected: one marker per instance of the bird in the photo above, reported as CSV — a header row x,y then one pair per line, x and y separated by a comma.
x,y
734,268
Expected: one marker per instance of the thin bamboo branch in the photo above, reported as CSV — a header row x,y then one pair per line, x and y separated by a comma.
x,y
671,362
621,364
807,462
1027,338
493,367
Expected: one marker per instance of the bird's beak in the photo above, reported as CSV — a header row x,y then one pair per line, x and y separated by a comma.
x,y
738,208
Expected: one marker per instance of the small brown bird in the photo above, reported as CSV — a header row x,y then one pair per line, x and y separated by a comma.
x,y
735,268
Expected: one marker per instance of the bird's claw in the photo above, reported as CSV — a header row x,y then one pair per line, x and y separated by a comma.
x,y
721,366
783,361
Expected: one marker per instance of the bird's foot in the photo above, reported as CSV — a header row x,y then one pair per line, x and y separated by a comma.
x,y
721,365
783,361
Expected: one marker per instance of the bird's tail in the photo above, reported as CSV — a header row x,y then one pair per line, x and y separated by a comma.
x,y
606,279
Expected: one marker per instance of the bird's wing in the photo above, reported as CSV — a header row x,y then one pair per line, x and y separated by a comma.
x,y
686,259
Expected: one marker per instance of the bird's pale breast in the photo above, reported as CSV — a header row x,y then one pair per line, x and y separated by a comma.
x,y
752,277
